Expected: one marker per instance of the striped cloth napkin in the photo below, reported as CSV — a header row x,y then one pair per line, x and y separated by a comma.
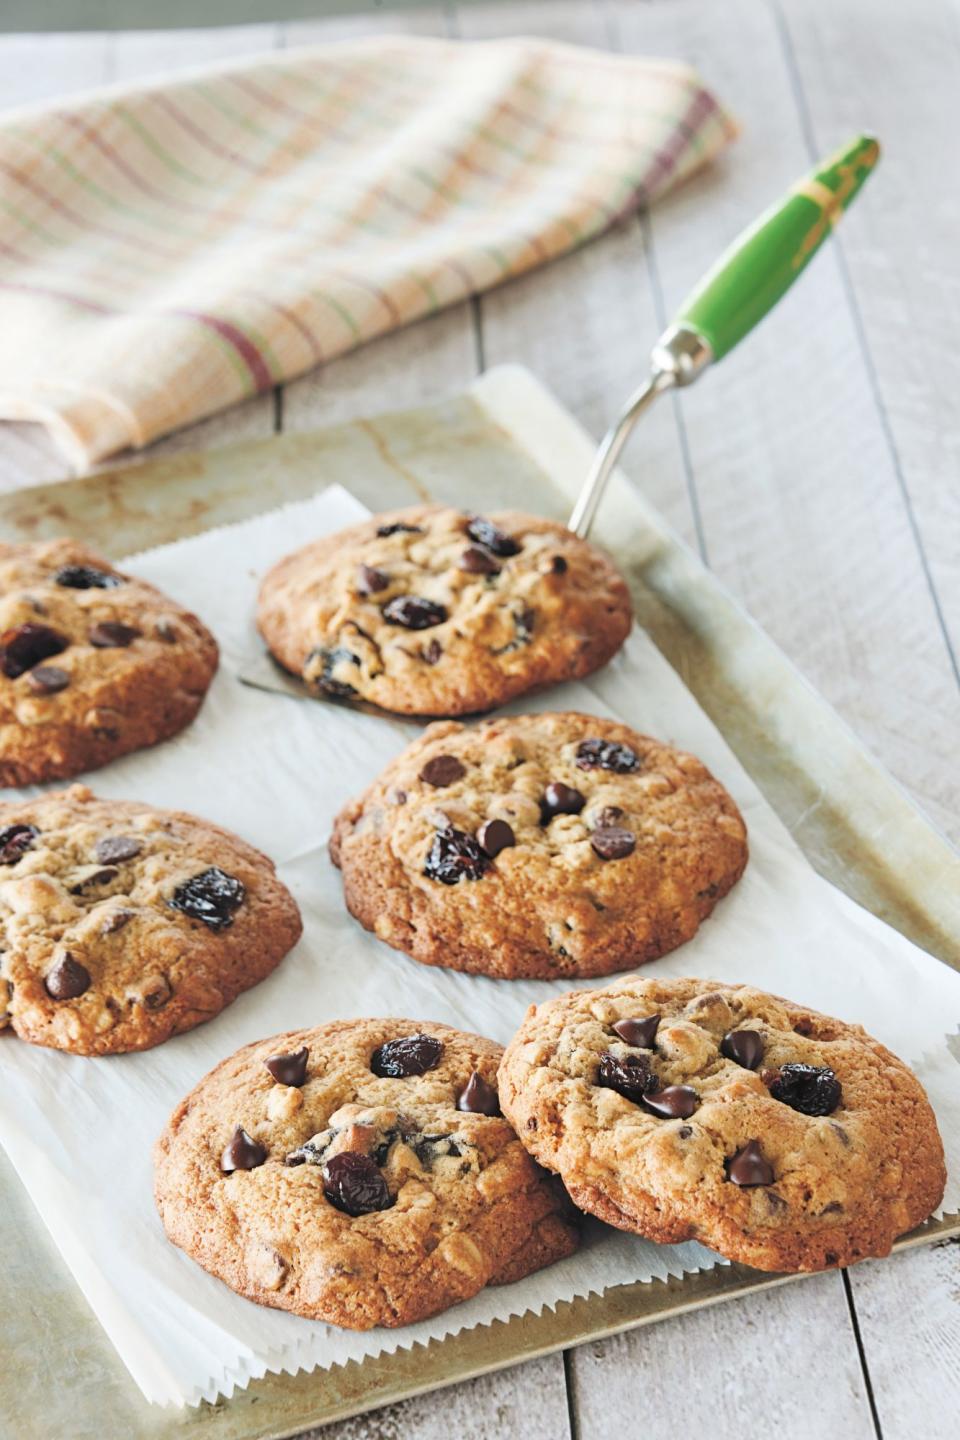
x,y
172,248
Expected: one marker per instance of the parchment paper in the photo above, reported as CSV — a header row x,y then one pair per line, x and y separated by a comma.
x,y
275,770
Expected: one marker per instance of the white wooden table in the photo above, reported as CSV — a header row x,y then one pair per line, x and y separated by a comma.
x,y
817,473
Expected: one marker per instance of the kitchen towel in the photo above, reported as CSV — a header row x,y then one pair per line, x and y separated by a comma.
x,y
172,248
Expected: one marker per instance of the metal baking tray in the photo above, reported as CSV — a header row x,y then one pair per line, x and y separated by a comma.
x,y
503,442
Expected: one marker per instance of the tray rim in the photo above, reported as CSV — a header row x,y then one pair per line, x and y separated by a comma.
x,y
520,405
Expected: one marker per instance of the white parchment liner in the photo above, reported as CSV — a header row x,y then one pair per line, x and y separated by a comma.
x,y
275,770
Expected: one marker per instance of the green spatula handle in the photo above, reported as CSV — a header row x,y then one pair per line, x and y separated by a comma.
x,y
763,262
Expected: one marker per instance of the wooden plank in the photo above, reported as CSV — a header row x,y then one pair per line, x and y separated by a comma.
x,y
426,19
901,257
434,357
908,1311
137,54
780,1362
527,1401
801,506
585,323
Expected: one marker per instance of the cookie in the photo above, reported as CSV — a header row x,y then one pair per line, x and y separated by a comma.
x,y
429,611
694,1110
358,1173
93,662
122,925
540,846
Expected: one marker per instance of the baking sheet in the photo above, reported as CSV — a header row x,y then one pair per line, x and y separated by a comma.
x,y
415,445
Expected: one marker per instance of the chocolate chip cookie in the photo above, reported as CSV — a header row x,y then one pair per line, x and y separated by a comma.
x,y
123,925
429,611
358,1173
93,662
540,845
690,1109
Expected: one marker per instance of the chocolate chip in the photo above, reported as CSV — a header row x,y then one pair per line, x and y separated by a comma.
x,y
684,1132
68,979
743,1046
641,1033
92,875
748,1166
559,565
48,679
613,844
442,770
413,612
631,1077
86,577
523,624
673,1102
607,755
494,836
115,921
113,635
289,1069
15,841
211,897
114,849
431,653
560,799
478,1097
352,1183
485,533
243,1153
476,560
330,658
410,1055
25,646
608,818
455,856
398,528
810,1089
370,580
156,993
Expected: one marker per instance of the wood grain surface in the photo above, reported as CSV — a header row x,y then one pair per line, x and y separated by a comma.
x,y
816,471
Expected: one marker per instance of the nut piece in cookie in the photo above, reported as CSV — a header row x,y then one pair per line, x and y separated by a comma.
x,y
123,925
430,611
548,845
779,1137
389,1189
93,662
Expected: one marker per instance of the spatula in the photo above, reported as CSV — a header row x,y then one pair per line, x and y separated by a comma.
x,y
734,296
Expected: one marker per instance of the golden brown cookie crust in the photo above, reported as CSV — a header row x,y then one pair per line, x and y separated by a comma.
x,y
153,970
468,1207
548,906
555,611
845,1184
117,698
